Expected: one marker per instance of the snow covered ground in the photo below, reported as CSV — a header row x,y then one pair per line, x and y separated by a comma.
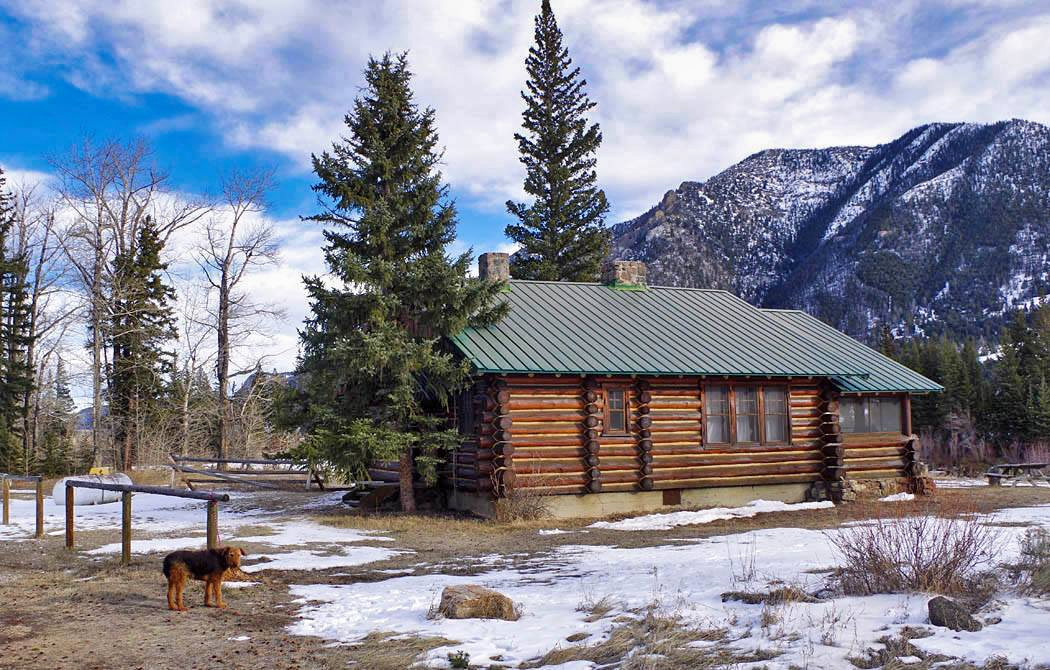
x,y
290,545
688,578
158,514
556,590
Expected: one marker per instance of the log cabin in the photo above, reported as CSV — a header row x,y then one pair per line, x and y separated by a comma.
x,y
617,397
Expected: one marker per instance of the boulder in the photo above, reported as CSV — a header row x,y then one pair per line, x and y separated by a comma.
x,y
950,614
475,602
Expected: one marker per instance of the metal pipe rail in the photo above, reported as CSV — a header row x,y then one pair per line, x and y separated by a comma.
x,y
5,495
126,490
249,461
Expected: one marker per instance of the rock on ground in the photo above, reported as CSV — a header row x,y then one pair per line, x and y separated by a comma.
x,y
950,614
470,601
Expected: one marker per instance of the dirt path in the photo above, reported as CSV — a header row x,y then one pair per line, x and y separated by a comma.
x,y
61,609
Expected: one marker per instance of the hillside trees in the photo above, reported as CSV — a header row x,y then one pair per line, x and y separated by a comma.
x,y
561,232
373,364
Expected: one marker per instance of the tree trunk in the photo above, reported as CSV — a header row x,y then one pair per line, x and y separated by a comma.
x,y
184,419
96,361
408,492
223,365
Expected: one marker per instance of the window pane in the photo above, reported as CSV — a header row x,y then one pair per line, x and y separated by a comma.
x,y
746,400
717,400
776,428
617,413
717,429
889,415
746,414
746,428
849,408
776,400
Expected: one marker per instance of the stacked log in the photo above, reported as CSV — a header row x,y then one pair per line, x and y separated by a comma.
x,y
642,399
831,442
550,454
592,422
498,420
464,466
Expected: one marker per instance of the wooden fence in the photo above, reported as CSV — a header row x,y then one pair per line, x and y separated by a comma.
x,y
264,473
126,491
5,493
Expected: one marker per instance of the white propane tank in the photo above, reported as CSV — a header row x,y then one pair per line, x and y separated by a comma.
x,y
89,496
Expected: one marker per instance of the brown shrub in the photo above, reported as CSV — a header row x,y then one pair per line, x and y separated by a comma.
x,y
896,553
522,505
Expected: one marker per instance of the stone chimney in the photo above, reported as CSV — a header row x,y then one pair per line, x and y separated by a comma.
x,y
624,273
494,265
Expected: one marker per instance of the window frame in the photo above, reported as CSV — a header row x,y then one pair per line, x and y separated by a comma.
x,y
760,392
865,402
606,412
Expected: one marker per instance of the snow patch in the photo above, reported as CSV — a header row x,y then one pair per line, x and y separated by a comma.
x,y
690,518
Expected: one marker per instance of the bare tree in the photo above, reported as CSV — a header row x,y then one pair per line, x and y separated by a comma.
x,y
193,357
110,189
234,242
51,307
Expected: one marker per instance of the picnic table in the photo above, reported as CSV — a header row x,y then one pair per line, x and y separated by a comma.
x,y
1015,473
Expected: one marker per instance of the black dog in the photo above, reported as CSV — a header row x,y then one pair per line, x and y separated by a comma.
x,y
208,566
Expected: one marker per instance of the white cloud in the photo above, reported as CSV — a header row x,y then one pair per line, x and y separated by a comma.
x,y
684,88
673,106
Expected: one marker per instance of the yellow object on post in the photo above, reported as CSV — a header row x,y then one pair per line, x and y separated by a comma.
x,y
100,471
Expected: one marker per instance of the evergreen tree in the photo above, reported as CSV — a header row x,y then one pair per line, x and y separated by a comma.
x,y
16,375
142,322
561,233
58,412
373,365
1009,404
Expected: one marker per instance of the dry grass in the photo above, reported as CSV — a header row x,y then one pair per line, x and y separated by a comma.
x,y
897,553
393,651
894,647
655,640
1032,571
523,505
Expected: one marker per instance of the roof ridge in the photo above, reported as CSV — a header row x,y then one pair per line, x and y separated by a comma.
x,y
597,283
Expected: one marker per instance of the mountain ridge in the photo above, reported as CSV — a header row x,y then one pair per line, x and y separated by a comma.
x,y
939,230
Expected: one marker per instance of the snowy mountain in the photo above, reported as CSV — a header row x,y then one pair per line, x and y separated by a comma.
x,y
942,229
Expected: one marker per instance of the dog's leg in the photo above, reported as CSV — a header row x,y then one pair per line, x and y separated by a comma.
x,y
207,590
218,592
178,576
171,594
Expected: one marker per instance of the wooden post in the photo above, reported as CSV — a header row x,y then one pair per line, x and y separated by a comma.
x,y
40,509
69,516
6,486
213,524
125,528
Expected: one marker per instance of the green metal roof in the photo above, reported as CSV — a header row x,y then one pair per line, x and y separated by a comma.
x,y
884,374
581,328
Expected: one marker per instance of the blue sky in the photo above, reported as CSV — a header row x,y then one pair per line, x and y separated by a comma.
x,y
684,88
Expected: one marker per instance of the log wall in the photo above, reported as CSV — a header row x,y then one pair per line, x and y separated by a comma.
x,y
544,435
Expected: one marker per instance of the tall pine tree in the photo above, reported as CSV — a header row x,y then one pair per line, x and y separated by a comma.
x,y
16,375
374,366
561,233
142,323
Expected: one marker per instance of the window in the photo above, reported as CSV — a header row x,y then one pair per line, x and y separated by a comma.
x,y
870,415
716,406
746,414
776,414
615,411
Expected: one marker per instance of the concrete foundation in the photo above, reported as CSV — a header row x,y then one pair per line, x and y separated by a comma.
x,y
631,502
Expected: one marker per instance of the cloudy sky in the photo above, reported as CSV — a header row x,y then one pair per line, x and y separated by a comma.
x,y
684,88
